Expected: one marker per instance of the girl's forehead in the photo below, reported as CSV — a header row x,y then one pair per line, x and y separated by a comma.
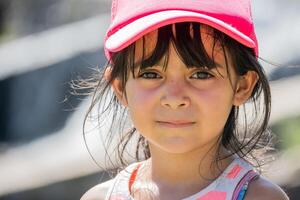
x,y
146,44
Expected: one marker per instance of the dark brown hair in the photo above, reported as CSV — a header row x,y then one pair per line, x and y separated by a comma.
x,y
246,141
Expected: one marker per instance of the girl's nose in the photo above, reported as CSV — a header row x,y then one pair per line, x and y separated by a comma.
x,y
175,97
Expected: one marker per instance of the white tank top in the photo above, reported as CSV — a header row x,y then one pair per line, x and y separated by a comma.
x,y
230,185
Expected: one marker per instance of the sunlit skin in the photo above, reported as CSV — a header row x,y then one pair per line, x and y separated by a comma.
x,y
182,112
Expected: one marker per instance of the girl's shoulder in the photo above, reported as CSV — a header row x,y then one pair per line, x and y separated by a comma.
x,y
263,189
98,192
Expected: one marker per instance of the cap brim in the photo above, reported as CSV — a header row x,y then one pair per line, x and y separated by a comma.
x,y
136,29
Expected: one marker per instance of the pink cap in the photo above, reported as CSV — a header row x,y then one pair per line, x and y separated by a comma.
x,y
131,19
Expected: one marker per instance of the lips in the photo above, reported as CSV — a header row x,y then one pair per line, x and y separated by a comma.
x,y
176,123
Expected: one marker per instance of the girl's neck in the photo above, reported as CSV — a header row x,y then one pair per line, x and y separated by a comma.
x,y
174,171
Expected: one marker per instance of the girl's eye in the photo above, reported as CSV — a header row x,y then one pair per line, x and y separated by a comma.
x,y
149,75
202,75
197,75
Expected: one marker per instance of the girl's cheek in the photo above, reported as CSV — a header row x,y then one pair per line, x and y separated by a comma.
x,y
139,96
215,96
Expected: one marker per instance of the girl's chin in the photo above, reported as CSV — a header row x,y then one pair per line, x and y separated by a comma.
x,y
175,145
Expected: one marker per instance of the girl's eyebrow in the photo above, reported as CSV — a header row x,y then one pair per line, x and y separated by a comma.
x,y
218,65
160,65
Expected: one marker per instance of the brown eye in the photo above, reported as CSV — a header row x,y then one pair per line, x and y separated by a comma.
x,y
149,75
201,75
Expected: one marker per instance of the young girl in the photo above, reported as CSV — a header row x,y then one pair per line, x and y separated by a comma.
x,y
182,69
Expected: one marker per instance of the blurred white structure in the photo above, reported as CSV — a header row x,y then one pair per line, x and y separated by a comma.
x,y
52,46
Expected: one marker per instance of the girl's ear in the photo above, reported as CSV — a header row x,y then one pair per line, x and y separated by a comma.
x,y
116,86
244,88
107,73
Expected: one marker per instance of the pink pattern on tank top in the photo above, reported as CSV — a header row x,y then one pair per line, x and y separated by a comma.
x,y
214,195
234,172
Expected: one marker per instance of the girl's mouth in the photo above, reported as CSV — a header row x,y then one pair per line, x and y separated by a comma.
x,y
175,124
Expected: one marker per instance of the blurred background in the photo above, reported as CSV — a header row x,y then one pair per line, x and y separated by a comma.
x,y
45,44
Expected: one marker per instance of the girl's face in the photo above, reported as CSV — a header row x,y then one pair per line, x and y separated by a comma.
x,y
180,110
